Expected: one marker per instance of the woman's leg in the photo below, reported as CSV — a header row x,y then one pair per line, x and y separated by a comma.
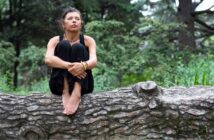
x,y
70,87
59,81
65,94
78,53
74,100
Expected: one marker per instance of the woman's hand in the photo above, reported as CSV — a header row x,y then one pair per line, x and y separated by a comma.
x,y
77,69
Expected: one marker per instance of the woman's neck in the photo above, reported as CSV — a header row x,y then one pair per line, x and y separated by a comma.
x,y
72,36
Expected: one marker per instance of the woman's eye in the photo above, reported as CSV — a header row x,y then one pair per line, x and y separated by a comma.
x,y
77,18
70,18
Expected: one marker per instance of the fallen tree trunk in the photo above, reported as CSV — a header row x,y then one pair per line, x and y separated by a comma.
x,y
143,111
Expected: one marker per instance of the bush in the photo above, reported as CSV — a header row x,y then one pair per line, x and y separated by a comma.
x,y
40,86
199,71
5,83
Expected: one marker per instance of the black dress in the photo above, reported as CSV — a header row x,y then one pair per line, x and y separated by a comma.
x,y
71,53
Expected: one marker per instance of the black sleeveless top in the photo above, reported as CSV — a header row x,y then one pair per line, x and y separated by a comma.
x,y
56,81
81,38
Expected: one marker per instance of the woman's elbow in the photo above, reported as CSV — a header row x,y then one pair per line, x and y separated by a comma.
x,y
47,60
95,63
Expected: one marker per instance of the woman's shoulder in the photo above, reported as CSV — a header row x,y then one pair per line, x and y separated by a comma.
x,y
88,39
54,40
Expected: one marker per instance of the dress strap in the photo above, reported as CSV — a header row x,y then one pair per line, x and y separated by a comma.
x,y
82,41
60,37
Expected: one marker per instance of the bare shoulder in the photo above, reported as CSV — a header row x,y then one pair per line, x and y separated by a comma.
x,y
53,41
89,40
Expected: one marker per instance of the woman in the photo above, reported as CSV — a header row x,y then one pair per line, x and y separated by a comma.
x,y
72,56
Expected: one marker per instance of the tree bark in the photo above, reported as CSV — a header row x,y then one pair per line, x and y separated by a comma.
x,y
14,21
185,16
141,111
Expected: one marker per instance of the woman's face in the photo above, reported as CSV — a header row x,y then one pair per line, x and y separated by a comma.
x,y
72,22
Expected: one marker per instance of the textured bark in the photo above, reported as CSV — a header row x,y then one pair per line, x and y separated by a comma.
x,y
143,111
185,16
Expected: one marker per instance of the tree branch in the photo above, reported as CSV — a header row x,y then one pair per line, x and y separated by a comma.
x,y
203,24
204,30
204,35
198,3
203,12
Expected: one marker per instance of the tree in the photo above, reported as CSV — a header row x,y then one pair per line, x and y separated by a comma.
x,y
143,111
186,37
203,23
195,26
19,26
120,10
25,23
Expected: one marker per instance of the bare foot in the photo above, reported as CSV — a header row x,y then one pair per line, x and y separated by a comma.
x,y
65,95
72,104
65,98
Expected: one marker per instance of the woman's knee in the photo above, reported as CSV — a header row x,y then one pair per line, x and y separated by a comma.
x,y
78,47
64,44
79,53
62,50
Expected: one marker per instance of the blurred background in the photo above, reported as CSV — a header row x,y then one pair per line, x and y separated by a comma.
x,y
168,41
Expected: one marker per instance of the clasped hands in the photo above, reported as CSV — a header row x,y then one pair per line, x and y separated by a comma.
x,y
76,69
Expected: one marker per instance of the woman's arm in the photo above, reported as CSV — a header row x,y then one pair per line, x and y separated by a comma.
x,y
50,59
77,68
91,44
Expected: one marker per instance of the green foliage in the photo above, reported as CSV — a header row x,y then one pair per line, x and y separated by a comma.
x,y
123,11
5,83
104,82
208,45
32,67
155,33
133,78
199,71
165,63
6,64
7,56
116,50
2,3
39,86
126,55
157,52
169,66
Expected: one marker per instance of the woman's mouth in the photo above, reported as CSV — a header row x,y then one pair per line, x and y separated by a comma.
x,y
73,26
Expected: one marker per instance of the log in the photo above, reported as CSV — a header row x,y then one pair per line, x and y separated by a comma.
x,y
141,111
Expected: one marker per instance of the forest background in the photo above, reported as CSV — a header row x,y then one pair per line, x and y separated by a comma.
x,y
166,41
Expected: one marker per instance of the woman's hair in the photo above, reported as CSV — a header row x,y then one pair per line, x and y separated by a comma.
x,y
68,10
65,12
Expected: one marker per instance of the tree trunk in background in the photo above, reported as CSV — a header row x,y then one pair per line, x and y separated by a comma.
x,y
143,111
185,17
16,63
15,7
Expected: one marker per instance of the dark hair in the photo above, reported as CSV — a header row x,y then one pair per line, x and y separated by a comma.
x,y
65,12
68,10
